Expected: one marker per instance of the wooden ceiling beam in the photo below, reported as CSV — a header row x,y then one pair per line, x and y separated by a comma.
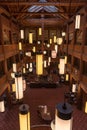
x,y
66,4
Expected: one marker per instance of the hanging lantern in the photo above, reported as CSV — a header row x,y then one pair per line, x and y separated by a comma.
x,y
45,63
39,64
59,40
22,34
62,66
40,31
77,21
24,117
19,86
34,49
63,34
13,75
30,38
74,88
65,59
20,46
56,48
14,67
24,84
63,117
54,39
86,107
2,105
50,40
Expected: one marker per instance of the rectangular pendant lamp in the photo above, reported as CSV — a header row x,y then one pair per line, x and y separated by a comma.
x,y
39,64
40,31
30,37
77,21
22,33
20,46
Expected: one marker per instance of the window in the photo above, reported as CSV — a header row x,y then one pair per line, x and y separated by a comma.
x,y
2,72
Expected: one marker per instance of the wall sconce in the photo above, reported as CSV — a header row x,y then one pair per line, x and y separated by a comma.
x,y
14,67
86,107
74,88
63,117
24,117
62,66
40,31
39,64
30,37
2,105
22,34
19,86
59,40
20,46
77,21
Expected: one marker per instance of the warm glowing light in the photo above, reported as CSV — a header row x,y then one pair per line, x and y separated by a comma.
x,y
19,86
50,40
77,21
65,59
22,34
56,48
13,87
63,34
40,31
31,38
13,75
67,77
73,88
45,63
14,67
86,107
34,49
24,117
53,54
59,41
62,66
20,46
39,64
54,39
2,105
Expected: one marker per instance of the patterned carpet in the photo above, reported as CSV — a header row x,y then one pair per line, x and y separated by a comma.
x,y
41,96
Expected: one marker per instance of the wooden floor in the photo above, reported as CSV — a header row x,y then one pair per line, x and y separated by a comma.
x,y
9,120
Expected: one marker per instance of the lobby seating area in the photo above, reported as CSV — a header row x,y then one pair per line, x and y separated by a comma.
x,y
9,120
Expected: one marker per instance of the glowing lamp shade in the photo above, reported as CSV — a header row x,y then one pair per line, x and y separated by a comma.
x,y
62,66
77,21
56,48
14,67
20,46
39,64
59,40
53,54
50,40
24,84
34,49
27,65
40,31
2,105
86,107
31,65
24,70
49,59
45,63
22,34
28,54
30,69
63,34
24,117
67,77
19,86
13,87
73,88
13,75
30,38
54,39
65,59
63,117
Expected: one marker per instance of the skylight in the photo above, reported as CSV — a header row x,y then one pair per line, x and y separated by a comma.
x,y
36,8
